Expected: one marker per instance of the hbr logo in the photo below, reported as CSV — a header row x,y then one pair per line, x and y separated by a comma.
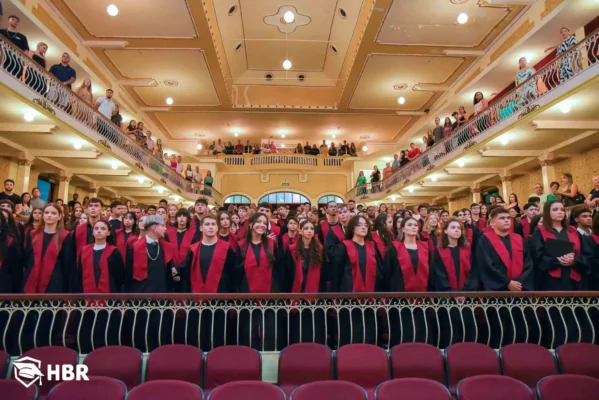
x,y
27,370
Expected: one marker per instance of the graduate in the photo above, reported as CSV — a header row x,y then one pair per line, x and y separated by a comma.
x,y
83,234
292,235
431,232
116,216
460,215
331,233
592,242
242,212
182,236
478,222
127,235
200,211
30,226
163,213
223,221
452,266
11,269
381,233
569,271
48,260
272,231
282,213
172,215
502,260
530,210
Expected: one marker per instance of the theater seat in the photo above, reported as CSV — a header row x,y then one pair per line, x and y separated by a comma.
x,y
304,363
364,364
118,362
579,358
247,390
528,363
176,361
412,389
51,355
97,388
568,387
468,359
329,390
493,387
417,360
231,363
14,390
4,360
166,389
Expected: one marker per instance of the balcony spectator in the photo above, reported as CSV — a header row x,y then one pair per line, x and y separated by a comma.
x,y
299,149
85,91
188,173
333,150
352,150
424,143
273,148
63,71
131,130
554,189
324,149
538,192
105,105
197,175
229,148
31,75
149,143
13,64
387,171
513,203
256,149
158,149
212,148
396,162
23,208
239,148
116,117
462,116
36,200
219,147
592,199
438,130
173,161
208,181
314,150
9,194
569,191
375,177
414,151
447,127
527,92
360,181
265,148
179,166
480,105
247,149
430,139
307,148
344,149
571,61
403,158
455,116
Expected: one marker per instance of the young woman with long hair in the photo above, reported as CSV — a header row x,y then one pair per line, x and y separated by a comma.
x,y
397,233
381,233
75,216
23,209
181,235
127,235
452,265
31,225
224,222
11,271
592,242
431,231
172,215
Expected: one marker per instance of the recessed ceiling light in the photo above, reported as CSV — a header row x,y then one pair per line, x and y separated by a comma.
x,y
28,116
77,145
504,141
141,180
334,136
283,145
365,148
161,190
401,100
462,18
115,165
199,146
287,64
393,197
461,164
112,10
411,190
289,17
236,134
169,100
565,107
434,178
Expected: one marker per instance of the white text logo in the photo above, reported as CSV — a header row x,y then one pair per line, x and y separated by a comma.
x,y
28,371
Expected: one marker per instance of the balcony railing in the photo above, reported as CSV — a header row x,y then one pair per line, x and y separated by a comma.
x,y
520,100
284,159
17,65
270,322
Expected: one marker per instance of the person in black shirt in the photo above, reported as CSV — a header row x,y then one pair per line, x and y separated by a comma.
x,y
9,193
13,64
247,149
63,71
34,78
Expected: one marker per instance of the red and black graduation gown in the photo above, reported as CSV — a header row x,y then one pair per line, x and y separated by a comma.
x,y
145,275
480,224
551,274
124,240
500,260
99,271
181,240
361,267
516,227
83,234
331,235
409,270
115,224
525,228
242,228
592,242
431,239
302,276
452,269
48,265
380,245
209,268
256,274
287,241
274,228
231,238
11,268
196,226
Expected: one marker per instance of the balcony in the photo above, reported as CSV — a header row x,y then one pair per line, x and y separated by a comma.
x,y
283,161
512,109
56,101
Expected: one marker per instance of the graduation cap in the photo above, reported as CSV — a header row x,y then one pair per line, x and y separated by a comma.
x,y
26,369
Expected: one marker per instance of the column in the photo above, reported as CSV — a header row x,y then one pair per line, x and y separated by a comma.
x,y
506,183
475,190
93,190
24,161
63,186
452,204
548,172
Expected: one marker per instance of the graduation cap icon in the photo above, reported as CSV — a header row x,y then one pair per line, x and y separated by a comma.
x,y
27,371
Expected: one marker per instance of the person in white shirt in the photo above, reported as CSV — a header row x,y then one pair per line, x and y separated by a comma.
x,y
105,105
539,193
149,141
179,166
584,220
219,147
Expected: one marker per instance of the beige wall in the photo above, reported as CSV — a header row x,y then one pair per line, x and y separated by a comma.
x,y
523,185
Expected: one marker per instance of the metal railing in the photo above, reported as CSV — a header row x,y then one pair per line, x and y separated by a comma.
x,y
21,67
519,100
282,159
271,322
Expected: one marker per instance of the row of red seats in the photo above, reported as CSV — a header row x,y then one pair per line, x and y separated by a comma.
x,y
365,365
481,387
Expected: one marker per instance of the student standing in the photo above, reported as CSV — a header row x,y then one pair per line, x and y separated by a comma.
x,y
11,268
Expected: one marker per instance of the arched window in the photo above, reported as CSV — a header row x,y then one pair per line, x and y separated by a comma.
x,y
237,199
284,198
326,199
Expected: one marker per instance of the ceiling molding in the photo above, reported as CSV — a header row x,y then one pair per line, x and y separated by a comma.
x,y
101,171
92,154
27,127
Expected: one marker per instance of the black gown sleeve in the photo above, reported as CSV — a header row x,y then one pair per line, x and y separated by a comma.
x,y
583,261
14,263
381,282
228,279
439,274
527,276
431,274
289,266
76,285
184,271
116,269
542,262
341,268
473,282
518,230
128,278
66,259
394,279
492,278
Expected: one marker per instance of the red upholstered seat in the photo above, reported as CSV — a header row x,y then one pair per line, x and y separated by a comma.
x,y
329,390
304,363
568,387
118,362
413,389
51,355
364,364
4,359
166,389
13,390
176,361
247,390
231,363
470,359
579,358
493,387
97,388
417,360
529,363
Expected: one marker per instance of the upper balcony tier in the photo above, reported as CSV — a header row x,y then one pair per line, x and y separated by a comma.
x,y
286,161
20,74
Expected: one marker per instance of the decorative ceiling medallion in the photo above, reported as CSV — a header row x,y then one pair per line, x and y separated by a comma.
x,y
200,135
364,137
278,21
458,1
400,86
170,82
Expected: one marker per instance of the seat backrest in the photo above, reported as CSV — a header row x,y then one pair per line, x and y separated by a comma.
x,y
579,358
329,390
570,387
13,390
166,389
364,364
51,355
493,387
231,363
118,362
247,390
4,360
413,389
470,359
176,361
305,362
97,388
417,360
527,362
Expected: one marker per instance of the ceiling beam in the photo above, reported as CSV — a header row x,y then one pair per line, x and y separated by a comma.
x,y
106,44
100,171
53,163
149,193
518,164
472,171
12,144
468,53
138,82
564,124
111,190
570,141
443,184
127,184
511,153
35,128
92,154
460,189
484,178
511,2
417,193
87,179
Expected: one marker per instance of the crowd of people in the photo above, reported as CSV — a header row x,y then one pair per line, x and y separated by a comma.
x,y
218,147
